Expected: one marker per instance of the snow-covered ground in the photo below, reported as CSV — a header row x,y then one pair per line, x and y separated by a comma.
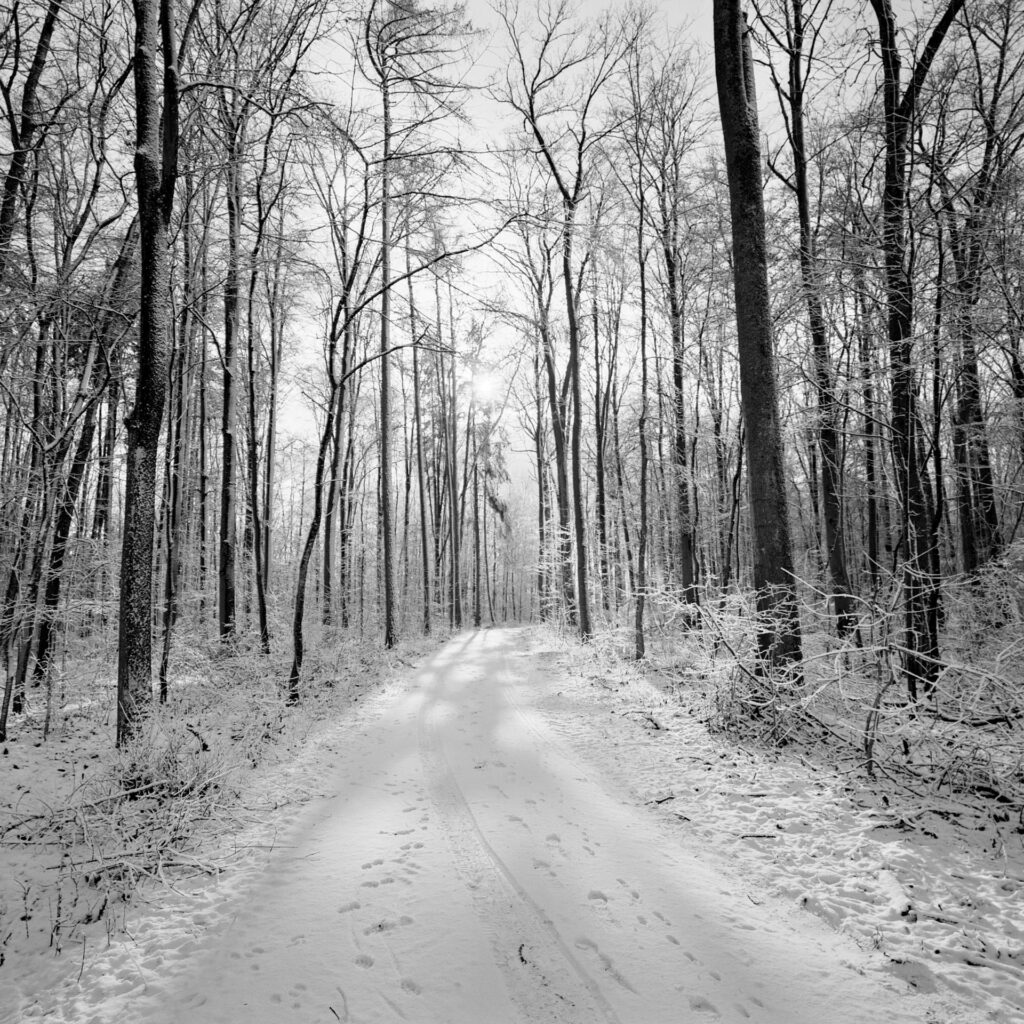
x,y
498,837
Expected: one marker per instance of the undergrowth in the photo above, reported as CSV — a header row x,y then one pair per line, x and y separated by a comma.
x,y
959,745
153,810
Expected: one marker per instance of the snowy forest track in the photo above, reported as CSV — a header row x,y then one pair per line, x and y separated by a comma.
x,y
467,865
546,981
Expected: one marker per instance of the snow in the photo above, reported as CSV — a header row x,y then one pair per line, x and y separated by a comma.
x,y
502,835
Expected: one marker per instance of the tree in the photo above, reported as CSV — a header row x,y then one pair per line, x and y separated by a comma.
x,y
556,82
978,137
921,659
156,169
774,580
24,124
410,49
798,37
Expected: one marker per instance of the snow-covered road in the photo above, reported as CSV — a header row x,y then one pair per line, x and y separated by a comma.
x,y
471,869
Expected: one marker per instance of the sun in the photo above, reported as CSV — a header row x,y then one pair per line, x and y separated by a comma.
x,y
487,387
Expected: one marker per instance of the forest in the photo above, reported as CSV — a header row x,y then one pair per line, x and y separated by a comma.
x,y
333,326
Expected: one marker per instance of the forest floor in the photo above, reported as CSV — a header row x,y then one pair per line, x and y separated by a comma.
x,y
518,831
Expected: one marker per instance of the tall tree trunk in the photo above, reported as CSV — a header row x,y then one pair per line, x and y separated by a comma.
x,y
639,645
453,472
578,519
540,465
556,401
779,627
679,446
600,443
386,511
476,535
227,531
252,455
417,412
921,661
156,166
173,472
828,434
874,566
23,133
309,546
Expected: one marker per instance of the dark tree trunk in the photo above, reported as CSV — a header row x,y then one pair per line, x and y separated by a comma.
x,y
556,401
24,135
679,446
779,628
420,475
226,536
156,164
578,518
639,646
921,661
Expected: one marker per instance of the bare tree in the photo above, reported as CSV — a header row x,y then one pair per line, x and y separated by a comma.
x,y
556,82
779,628
918,528
156,169
797,33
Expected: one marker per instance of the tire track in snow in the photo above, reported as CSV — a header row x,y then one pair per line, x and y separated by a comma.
x,y
546,980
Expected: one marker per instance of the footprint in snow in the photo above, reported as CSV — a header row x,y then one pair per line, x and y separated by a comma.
x,y
701,1005
345,908
364,961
